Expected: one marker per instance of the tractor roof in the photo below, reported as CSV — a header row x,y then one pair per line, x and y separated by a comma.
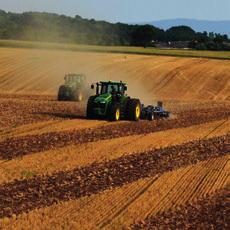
x,y
113,82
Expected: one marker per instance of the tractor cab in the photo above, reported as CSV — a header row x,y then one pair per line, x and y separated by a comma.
x,y
74,88
74,79
110,88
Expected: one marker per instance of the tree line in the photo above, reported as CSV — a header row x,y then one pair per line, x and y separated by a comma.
x,y
51,27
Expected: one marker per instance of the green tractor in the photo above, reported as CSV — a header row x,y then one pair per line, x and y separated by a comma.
x,y
111,102
74,88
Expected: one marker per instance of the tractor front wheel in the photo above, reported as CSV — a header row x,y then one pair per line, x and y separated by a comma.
x,y
61,93
114,112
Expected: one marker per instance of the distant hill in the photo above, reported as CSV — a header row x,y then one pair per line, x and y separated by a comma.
x,y
222,27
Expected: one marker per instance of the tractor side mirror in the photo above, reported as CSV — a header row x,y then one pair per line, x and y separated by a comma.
x,y
125,88
92,86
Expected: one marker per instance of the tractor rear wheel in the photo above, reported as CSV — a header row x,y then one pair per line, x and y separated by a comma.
x,y
61,93
90,106
114,112
134,109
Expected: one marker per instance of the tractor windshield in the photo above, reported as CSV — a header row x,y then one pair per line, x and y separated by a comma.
x,y
106,88
71,79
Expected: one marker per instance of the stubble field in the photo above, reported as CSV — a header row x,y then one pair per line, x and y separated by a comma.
x,y
59,169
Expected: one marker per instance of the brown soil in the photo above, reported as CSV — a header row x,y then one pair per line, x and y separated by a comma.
x,y
14,113
19,146
80,155
119,208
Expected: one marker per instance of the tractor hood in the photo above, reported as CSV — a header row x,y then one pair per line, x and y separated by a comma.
x,y
103,98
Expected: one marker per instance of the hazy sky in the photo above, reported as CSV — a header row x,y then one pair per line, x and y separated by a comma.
x,y
126,10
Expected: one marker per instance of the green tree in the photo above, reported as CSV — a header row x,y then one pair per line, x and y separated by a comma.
x,y
180,33
143,35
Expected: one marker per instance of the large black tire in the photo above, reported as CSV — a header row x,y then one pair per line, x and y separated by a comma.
x,y
89,109
134,109
124,108
78,95
114,112
61,93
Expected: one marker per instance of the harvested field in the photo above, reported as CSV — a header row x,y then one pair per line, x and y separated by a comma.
x,y
42,191
121,207
19,146
81,155
59,169
28,71
211,211
14,113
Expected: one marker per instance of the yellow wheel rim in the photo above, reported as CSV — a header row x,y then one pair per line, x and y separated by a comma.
x,y
117,114
138,111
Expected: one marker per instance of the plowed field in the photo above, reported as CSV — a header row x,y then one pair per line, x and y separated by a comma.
x,y
59,170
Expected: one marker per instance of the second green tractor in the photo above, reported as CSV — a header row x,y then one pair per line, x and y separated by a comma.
x,y
112,103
